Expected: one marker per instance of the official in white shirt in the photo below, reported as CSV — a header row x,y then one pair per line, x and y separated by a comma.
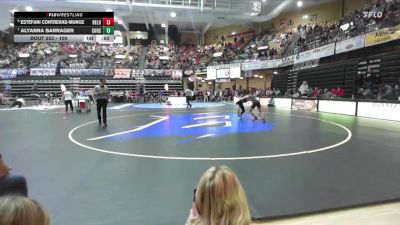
x,y
67,97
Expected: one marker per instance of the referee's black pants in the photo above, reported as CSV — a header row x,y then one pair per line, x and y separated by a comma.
x,y
102,106
188,98
68,102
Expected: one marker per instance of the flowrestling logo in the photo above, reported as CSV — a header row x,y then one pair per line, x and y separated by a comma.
x,y
370,14
191,127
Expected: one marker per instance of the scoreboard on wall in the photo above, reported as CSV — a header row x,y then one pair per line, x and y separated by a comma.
x,y
64,27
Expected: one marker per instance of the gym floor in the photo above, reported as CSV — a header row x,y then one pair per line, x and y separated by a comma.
x,y
142,168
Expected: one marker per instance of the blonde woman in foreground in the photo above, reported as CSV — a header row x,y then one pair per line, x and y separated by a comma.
x,y
219,199
18,210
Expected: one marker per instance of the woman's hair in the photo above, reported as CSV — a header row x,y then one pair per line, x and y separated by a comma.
x,y
18,210
220,199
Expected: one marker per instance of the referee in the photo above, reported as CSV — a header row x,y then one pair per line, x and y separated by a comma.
x,y
101,95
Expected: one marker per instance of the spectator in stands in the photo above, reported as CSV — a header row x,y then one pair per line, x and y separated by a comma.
x,y
18,210
219,199
315,93
276,91
385,92
288,93
1,98
396,92
11,184
304,89
338,92
8,90
368,94
327,94
35,89
376,80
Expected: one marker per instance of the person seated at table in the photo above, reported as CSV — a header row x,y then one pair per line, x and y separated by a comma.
x,y
1,98
385,92
338,92
327,94
315,93
304,89
396,92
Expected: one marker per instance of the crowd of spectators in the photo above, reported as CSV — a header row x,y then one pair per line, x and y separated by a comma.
x,y
178,57
68,55
370,86
315,35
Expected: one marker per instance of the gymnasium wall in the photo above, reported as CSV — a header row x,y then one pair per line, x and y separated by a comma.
x,y
350,5
287,20
190,38
213,35
316,14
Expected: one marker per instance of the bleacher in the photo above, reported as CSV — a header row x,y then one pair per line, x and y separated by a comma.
x,y
343,73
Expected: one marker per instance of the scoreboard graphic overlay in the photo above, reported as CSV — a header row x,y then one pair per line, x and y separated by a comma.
x,y
64,27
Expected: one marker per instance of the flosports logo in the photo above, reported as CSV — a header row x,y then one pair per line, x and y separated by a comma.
x,y
191,127
370,14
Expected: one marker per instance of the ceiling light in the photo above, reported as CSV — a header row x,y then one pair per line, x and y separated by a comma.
x,y
305,17
264,1
28,8
299,4
173,14
163,25
138,32
275,72
109,10
261,77
209,82
255,75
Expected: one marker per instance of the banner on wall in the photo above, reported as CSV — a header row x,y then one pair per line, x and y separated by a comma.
x,y
241,34
81,72
36,72
317,53
8,73
379,110
258,65
350,44
177,74
305,65
305,105
43,71
135,74
224,66
122,73
109,72
382,36
287,61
